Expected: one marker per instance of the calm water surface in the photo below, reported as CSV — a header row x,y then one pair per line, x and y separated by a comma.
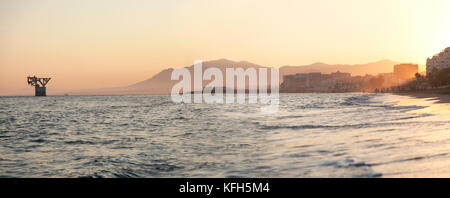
x,y
312,135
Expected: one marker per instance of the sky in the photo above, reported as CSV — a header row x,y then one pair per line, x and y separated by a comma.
x,y
87,44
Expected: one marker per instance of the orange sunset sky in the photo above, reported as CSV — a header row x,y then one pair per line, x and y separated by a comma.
x,y
85,44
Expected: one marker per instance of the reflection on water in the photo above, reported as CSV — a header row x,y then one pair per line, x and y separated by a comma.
x,y
312,135
431,105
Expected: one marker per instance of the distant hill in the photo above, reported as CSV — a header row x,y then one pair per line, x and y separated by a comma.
x,y
375,68
161,83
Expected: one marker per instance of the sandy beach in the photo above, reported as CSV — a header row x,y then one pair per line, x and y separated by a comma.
x,y
442,94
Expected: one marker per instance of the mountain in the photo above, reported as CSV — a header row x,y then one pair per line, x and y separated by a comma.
x,y
383,66
161,83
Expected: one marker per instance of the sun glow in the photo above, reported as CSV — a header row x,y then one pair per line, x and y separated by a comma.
x,y
122,42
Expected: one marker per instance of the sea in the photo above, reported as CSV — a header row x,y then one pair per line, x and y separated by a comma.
x,y
311,135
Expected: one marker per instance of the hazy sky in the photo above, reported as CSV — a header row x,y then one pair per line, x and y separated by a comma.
x,y
93,43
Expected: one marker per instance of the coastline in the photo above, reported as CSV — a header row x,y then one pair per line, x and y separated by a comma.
x,y
443,95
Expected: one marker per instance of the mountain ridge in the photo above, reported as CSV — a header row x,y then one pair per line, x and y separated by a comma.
x,y
160,83
319,67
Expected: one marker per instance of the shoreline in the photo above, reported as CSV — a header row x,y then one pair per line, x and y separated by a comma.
x,y
443,95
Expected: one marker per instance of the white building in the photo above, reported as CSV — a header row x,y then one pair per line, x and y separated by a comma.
x,y
439,61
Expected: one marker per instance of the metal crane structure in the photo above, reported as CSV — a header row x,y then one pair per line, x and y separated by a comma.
x,y
39,85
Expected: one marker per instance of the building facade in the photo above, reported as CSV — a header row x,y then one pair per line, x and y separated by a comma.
x,y
439,61
318,82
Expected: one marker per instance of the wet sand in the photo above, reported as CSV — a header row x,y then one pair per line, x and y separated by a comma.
x,y
443,95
